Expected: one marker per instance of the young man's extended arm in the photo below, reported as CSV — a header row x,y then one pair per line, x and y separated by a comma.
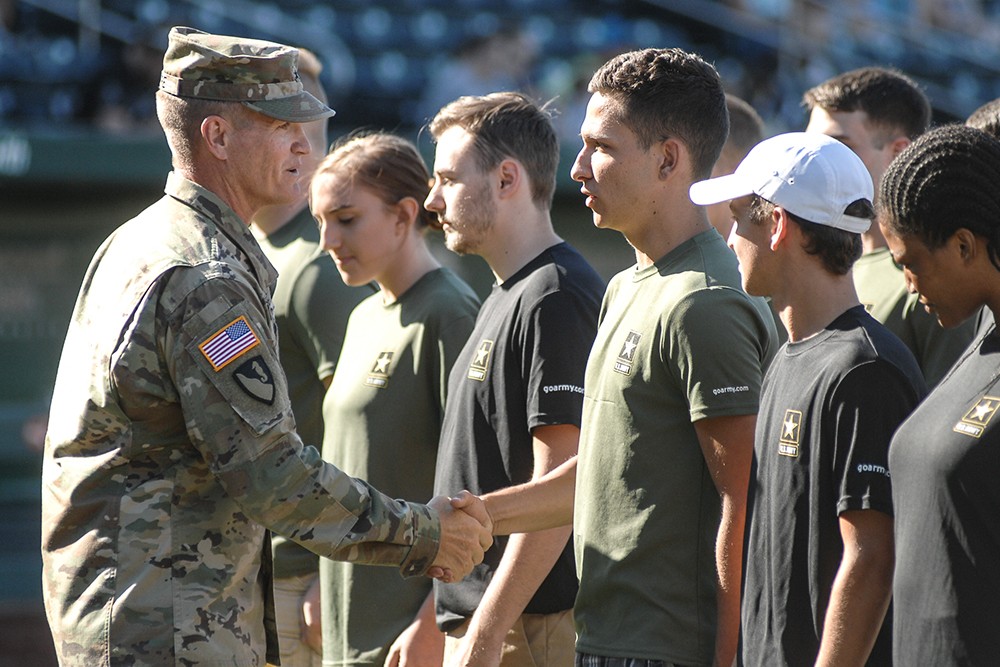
x,y
727,444
526,561
544,502
861,590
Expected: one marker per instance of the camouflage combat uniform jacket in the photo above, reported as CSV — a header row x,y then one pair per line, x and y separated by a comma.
x,y
171,447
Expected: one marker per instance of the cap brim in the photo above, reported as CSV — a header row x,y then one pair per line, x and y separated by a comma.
x,y
720,189
301,108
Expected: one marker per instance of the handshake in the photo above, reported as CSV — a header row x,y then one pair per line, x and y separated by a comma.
x,y
466,534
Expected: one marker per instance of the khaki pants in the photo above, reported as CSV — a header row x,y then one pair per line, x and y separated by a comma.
x,y
536,640
288,594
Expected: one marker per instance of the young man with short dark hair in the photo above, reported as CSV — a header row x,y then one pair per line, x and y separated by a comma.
x,y
672,381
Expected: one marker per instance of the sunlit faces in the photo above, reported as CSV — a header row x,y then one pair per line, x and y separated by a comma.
x,y
852,129
943,278
267,158
360,231
751,241
461,193
616,174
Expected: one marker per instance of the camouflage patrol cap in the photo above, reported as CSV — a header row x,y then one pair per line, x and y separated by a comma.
x,y
260,74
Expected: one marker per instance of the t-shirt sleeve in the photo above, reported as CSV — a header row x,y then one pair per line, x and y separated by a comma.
x,y
867,407
320,306
221,356
716,347
557,341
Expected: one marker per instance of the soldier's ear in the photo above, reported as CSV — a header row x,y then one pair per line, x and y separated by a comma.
x,y
215,135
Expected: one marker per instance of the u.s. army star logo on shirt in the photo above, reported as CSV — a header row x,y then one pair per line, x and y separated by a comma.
x,y
481,361
254,377
979,415
623,363
791,427
378,376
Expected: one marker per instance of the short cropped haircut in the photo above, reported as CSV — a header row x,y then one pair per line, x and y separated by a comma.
x,y
746,127
893,102
664,93
181,118
388,165
987,118
838,249
507,125
944,181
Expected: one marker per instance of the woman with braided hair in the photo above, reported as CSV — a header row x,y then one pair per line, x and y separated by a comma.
x,y
939,209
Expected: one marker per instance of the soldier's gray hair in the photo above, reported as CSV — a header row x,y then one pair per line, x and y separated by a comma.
x,y
181,117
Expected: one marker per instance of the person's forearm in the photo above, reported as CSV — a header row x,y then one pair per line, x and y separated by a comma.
x,y
542,503
857,607
527,560
727,445
729,560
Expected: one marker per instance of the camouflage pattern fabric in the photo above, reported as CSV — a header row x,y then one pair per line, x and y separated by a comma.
x,y
172,448
263,75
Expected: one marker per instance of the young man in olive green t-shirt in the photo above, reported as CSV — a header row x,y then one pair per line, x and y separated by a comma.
x,y
673,380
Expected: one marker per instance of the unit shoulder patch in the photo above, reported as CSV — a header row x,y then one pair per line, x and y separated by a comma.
x,y
255,378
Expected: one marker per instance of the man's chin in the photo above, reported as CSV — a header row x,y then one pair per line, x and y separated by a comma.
x,y
292,195
456,245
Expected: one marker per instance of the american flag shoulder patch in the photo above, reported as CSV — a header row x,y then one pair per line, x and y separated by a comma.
x,y
229,343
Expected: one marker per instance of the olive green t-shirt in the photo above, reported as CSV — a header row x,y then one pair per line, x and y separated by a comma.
x,y
678,342
882,289
383,418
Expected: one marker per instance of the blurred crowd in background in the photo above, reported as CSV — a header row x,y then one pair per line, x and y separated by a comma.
x,y
391,63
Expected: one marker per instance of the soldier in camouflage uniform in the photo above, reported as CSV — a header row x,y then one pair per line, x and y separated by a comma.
x,y
171,447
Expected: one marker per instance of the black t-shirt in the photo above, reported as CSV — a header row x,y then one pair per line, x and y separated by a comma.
x,y
829,407
522,367
945,462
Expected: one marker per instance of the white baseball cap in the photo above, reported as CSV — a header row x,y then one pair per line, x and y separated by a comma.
x,y
808,174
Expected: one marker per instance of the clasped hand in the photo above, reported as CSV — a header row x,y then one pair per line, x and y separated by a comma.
x,y
466,534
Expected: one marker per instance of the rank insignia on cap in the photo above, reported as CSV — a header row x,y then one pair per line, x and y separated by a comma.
x,y
229,343
254,377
